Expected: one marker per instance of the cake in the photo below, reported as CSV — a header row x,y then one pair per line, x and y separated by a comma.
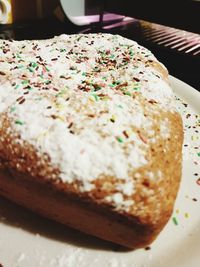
x,y
89,135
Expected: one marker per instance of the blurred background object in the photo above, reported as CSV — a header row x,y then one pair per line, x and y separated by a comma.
x,y
170,28
5,12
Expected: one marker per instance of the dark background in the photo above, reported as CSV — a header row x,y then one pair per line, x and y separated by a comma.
x,y
181,14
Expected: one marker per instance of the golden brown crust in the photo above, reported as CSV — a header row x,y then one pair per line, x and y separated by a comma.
x,y
74,212
138,228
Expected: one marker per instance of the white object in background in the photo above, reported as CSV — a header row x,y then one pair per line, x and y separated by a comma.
x,y
5,11
75,11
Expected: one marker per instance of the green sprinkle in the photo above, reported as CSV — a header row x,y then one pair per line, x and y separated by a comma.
x,y
120,106
175,220
83,73
136,88
30,69
127,93
47,69
38,98
103,54
25,81
62,92
198,154
19,122
47,82
114,84
34,64
97,87
18,56
12,109
62,50
104,78
112,56
16,86
20,66
119,139
95,97
131,53
41,76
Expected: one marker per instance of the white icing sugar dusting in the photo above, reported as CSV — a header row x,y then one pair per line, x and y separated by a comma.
x,y
72,98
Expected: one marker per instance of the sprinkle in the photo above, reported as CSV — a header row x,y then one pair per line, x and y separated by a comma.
x,y
33,64
119,139
186,215
2,73
143,138
95,97
112,119
64,77
62,92
198,154
175,220
126,134
38,98
70,125
21,101
127,93
30,69
19,122
198,181
25,81
47,82
96,87
131,53
148,248
18,56
16,86
194,199
120,106
12,109
47,69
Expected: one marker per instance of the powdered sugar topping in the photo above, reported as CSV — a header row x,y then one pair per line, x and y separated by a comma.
x,y
72,98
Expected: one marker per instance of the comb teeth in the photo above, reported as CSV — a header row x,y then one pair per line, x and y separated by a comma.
x,y
179,40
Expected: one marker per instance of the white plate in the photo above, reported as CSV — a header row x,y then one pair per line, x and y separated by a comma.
x,y
27,240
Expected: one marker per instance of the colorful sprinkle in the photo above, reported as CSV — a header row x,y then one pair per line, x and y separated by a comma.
x,y
175,220
96,97
119,139
186,215
12,109
19,122
25,81
16,86
198,181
